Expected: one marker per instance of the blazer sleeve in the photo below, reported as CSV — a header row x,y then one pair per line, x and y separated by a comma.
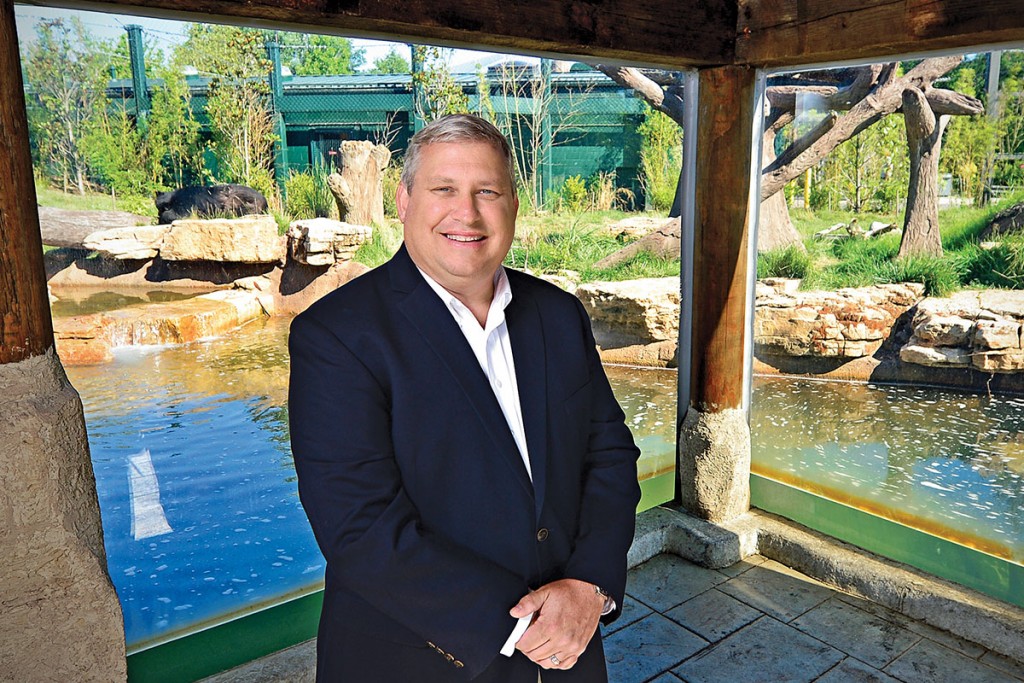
x,y
610,491
365,524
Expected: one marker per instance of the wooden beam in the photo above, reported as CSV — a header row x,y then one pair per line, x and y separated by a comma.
x,y
797,32
25,326
655,32
725,130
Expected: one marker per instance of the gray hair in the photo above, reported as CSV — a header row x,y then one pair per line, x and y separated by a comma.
x,y
456,128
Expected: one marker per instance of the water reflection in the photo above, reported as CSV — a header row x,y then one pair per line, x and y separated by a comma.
x,y
943,462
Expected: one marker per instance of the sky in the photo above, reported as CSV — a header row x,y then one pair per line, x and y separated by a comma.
x,y
165,34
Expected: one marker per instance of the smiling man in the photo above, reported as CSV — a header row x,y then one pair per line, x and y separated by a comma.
x,y
462,460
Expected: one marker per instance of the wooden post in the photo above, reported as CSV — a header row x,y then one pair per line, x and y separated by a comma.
x,y
724,150
714,439
25,326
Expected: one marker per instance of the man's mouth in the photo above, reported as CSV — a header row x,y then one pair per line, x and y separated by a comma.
x,y
465,238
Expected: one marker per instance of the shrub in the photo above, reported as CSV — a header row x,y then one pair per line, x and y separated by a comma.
x,y
660,157
604,196
572,197
308,195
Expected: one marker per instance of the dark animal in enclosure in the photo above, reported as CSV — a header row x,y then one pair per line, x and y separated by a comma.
x,y
215,200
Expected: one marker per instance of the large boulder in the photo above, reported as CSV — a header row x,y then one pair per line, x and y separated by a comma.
x,y
250,239
632,312
142,242
848,323
323,242
969,329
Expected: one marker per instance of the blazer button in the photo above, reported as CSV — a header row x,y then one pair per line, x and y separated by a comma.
x,y
458,664
542,535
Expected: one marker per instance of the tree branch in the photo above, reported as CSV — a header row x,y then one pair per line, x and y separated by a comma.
x,y
670,104
885,99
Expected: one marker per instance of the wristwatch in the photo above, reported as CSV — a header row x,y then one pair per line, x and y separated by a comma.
x,y
609,603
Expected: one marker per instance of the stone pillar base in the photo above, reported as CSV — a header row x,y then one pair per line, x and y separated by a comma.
x,y
714,464
59,615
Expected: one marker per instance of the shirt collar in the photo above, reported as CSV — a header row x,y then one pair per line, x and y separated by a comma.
x,y
500,301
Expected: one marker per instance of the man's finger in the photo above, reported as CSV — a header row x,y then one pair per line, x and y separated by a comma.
x,y
531,602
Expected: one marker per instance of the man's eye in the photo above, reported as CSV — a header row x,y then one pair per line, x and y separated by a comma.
x,y
488,192
442,189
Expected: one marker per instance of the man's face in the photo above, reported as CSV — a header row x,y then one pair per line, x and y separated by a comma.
x,y
460,215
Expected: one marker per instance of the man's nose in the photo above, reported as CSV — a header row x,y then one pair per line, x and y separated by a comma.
x,y
466,210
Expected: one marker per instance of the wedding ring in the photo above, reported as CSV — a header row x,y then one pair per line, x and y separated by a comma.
x,y
555,660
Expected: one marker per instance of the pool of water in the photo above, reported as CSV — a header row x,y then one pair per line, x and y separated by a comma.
x,y
196,483
947,463
202,519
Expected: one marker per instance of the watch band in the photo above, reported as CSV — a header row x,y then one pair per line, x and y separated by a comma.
x,y
609,603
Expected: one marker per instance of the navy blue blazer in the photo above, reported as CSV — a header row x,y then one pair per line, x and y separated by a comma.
x,y
417,493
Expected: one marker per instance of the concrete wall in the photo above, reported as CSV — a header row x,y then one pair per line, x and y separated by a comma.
x,y
59,615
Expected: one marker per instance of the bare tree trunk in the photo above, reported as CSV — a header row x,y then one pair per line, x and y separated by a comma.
x,y
921,235
357,188
775,230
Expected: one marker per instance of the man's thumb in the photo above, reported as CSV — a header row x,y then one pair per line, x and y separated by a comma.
x,y
528,604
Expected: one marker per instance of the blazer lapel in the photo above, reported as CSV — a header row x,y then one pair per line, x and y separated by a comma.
x,y
527,336
434,322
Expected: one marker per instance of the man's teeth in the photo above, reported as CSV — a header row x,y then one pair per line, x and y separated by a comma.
x,y
465,238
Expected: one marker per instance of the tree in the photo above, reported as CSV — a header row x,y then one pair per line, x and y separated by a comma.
x,y
120,65
313,54
924,136
391,63
442,94
67,79
238,103
969,142
174,130
526,109
660,158
863,173
865,95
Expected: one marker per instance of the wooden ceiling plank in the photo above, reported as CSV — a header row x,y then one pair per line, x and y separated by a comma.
x,y
678,34
776,33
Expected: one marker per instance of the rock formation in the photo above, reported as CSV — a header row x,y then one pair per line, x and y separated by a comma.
x,y
848,323
251,239
981,330
322,242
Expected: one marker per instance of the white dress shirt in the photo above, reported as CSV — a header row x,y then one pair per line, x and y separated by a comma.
x,y
493,350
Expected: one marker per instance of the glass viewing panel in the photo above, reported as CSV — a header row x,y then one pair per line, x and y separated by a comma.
x,y
942,461
201,516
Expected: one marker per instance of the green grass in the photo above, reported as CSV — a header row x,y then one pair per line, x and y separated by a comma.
x,y
792,262
93,201
860,263
382,245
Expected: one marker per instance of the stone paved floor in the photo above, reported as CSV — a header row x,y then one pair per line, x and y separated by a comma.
x,y
759,621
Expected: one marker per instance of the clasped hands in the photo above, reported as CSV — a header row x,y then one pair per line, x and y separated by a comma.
x,y
566,613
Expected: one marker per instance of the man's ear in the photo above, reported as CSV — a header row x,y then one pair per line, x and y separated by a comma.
x,y
401,201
